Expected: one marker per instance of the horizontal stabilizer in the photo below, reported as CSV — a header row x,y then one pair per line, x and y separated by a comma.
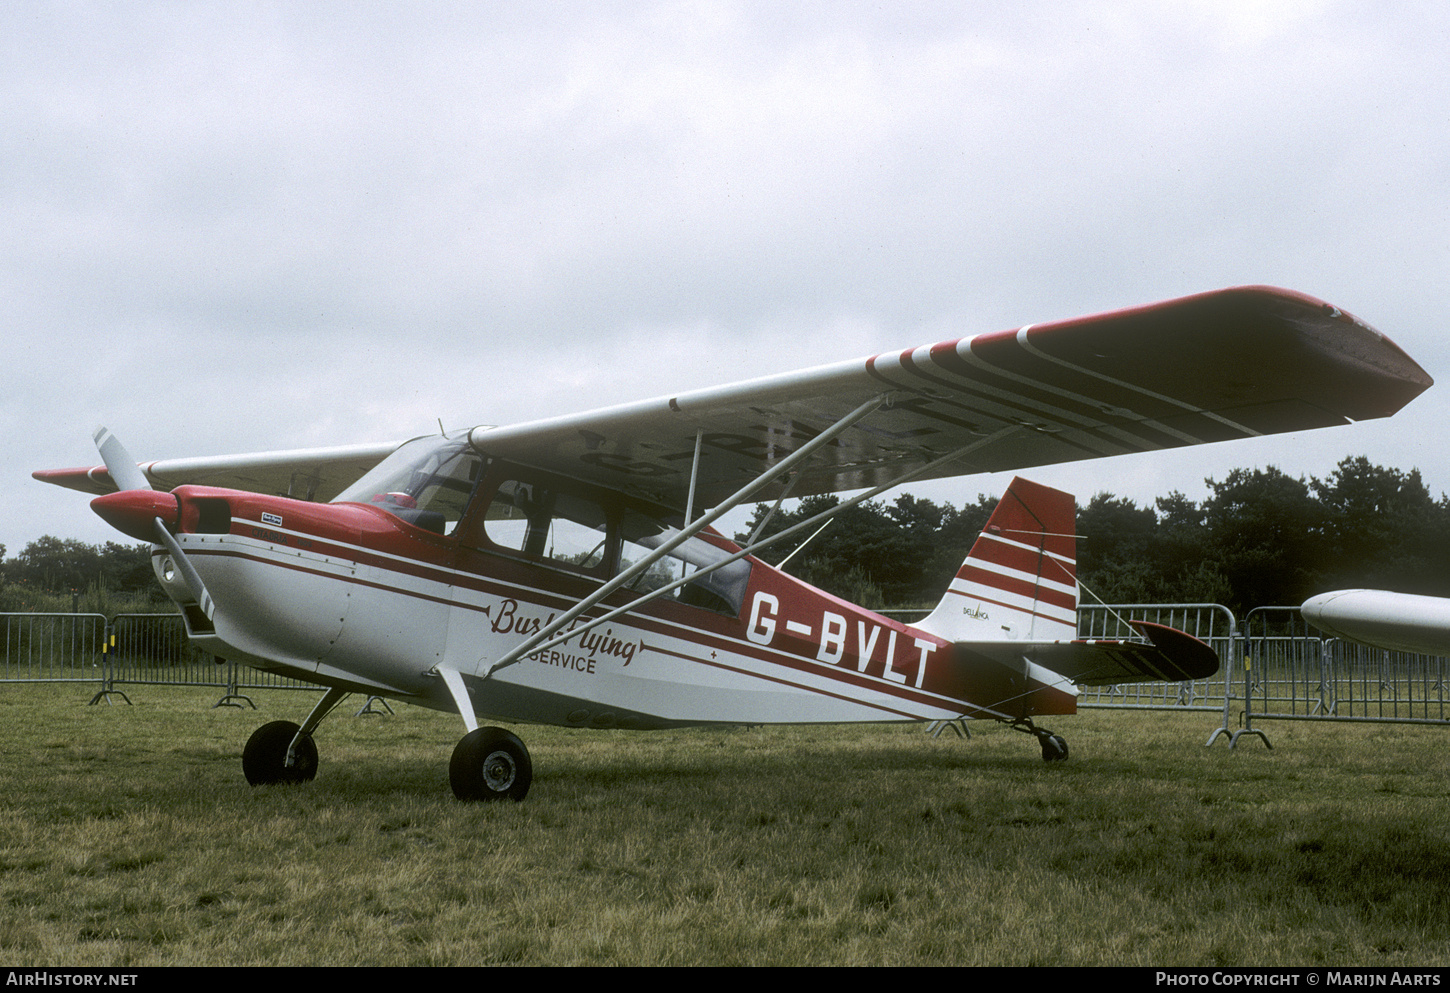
x,y
1172,657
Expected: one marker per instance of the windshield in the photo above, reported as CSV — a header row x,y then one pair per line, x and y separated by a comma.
x,y
426,482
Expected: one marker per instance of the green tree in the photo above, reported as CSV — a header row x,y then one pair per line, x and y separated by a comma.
x,y
872,551
66,565
958,531
1382,530
1264,529
1260,538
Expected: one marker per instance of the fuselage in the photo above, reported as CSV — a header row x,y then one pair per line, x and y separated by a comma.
x,y
1397,621
352,595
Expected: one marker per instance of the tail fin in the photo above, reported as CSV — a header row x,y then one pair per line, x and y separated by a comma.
x,y
1019,581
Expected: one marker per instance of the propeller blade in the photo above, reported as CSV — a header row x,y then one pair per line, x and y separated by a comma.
x,y
188,571
123,469
130,512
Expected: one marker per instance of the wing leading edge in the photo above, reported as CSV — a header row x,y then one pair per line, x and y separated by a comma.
x,y
307,474
1229,364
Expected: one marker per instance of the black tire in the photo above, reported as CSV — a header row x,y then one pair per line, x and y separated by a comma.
x,y
1054,749
490,764
265,757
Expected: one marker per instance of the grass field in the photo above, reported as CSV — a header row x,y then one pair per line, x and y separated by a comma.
x,y
129,837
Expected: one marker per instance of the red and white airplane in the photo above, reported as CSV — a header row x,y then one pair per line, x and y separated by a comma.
x,y
558,572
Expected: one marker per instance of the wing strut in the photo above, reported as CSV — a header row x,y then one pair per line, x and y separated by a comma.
x,y
778,503
694,480
694,475
531,644
549,641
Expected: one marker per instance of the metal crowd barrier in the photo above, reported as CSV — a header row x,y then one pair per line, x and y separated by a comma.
x,y
51,648
127,650
1208,622
1293,671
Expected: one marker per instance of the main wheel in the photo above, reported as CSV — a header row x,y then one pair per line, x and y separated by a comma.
x,y
264,760
1054,749
490,764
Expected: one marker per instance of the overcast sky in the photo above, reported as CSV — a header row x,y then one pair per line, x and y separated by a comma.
x,y
242,226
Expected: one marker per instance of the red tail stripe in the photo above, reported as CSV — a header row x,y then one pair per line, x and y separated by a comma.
x,y
1010,584
1007,606
1023,560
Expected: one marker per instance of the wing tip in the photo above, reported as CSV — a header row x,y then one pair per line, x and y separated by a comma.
x,y
85,479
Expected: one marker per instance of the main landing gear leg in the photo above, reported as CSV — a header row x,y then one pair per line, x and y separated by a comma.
x,y
282,752
1054,748
489,763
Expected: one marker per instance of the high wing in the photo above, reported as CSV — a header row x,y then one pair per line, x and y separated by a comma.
x,y
306,474
1229,364
1402,622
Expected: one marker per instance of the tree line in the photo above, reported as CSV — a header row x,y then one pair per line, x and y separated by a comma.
x,y
62,574
1260,538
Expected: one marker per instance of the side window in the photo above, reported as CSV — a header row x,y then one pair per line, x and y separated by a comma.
x,y
556,525
548,524
722,591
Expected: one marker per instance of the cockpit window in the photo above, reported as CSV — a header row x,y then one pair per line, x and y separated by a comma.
x,y
426,482
558,524
546,523
722,590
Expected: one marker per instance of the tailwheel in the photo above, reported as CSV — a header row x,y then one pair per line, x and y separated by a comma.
x,y
1054,748
272,757
490,764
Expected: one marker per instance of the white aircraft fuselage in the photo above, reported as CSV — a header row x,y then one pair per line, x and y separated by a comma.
x,y
1398,621
348,595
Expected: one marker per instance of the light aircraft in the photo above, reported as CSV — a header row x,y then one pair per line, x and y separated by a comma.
x,y
1401,622
560,571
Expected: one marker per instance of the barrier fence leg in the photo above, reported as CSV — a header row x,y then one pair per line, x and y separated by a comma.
x,y
232,696
108,672
935,728
1228,694
367,708
1248,727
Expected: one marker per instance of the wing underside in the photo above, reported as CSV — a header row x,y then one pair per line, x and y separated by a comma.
x,y
1229,364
